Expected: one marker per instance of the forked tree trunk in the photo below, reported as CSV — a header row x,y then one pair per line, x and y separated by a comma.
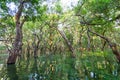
x,y
113,46
17,46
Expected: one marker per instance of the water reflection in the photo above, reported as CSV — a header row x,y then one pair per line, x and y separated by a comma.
x,y
57,67
92,74
1,65
12,72
34,71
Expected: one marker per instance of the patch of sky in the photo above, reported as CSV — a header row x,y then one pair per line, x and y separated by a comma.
x,y
12,8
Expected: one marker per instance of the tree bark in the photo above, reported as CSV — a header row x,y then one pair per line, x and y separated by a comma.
x,y
17,45
67,42
89,40
112,45
103,42
36,43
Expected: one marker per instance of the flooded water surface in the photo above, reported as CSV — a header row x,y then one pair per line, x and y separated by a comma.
x,y
60,67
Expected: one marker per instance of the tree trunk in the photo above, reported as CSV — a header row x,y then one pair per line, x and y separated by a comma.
x,y
103,42
36,45
115,51
113,46
89,40
67,42
17,46
103,45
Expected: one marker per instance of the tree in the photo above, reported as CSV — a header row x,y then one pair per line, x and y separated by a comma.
x,y
17,46
103,15
23,14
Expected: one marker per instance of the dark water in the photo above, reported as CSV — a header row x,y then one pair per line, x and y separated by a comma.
x,y
59,67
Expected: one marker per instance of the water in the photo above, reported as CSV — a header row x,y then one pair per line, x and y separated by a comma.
x,y
59,67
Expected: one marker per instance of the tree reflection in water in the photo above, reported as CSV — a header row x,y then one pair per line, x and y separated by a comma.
x,y
57,67
34,71
11,72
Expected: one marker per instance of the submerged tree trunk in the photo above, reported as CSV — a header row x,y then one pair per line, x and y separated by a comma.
x,y
17,46
113,46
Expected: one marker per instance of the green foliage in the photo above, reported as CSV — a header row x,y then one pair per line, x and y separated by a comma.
x,y
2,47
101,7
3,5
34,2
58,8
54,61
96,11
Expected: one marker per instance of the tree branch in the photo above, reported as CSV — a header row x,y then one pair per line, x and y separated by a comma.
x,y
18,14
103,37
89,23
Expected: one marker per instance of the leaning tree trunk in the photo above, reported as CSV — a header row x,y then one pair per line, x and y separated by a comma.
x,y
113,46
67,42
17,46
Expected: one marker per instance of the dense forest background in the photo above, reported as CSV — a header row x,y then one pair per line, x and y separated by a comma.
x,y
77,40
